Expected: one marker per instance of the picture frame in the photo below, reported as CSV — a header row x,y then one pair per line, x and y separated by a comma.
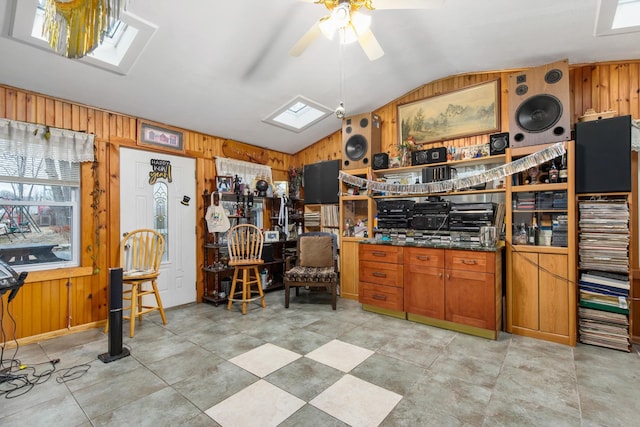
x,y
224,184
165,138
473,110
280,188
271,236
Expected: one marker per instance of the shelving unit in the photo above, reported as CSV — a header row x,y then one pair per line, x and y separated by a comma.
x,y
215,270
604,268
541,264
353,208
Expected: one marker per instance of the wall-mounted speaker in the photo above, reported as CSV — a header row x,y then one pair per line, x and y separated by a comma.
x,y
380,161
498,143
361,137
539,107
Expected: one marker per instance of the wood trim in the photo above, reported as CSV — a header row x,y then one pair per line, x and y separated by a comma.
x,y
57,274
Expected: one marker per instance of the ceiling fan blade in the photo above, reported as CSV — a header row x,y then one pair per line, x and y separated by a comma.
x,y
407,4
306,40
370,45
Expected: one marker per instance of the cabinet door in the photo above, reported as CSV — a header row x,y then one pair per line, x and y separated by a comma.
x,y
470,298
554,294
524,290
349,269
424,291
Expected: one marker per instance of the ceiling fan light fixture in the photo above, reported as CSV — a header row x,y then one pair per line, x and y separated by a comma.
x,y
328,27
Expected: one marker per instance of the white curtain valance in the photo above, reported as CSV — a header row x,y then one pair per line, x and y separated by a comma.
x,y
28,139
246,170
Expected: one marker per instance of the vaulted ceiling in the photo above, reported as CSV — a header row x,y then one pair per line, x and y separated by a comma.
x,y
221,67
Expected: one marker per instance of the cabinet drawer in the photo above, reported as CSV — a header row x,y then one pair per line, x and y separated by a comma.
x,y
470,261
425,257
381,296
380,272
381,253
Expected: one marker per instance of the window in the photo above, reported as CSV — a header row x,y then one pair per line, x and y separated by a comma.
x,y
161,214
40,195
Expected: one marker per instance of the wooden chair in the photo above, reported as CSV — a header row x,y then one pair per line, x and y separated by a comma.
x,y
141,252
245,242
316,265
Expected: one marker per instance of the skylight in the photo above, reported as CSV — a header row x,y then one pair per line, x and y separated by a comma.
x,y
298,114
117,53
617,17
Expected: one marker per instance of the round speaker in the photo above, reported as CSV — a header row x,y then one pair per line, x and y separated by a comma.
x,y
364,122
356,147
553,76
539,113
522,89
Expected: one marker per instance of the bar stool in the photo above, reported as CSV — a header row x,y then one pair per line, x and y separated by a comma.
x,y
245,242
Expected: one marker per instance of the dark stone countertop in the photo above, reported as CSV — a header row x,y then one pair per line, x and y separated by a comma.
x,y
467,246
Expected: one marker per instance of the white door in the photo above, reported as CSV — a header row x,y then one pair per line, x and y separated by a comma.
x,y
158,191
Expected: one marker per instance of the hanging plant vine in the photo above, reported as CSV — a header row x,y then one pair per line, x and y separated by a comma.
x,y
96,194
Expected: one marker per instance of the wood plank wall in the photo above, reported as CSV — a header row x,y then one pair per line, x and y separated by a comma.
x,y
602,86
55,301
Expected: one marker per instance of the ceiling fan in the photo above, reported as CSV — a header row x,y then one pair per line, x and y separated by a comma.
x,y
351,25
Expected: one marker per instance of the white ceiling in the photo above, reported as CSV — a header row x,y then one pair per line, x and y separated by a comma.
x,y
220,67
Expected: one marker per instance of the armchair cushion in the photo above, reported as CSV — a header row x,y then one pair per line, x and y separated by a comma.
x,y
311,274
316,251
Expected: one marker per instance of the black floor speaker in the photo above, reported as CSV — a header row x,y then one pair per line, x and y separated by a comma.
x,y
603,155
116,350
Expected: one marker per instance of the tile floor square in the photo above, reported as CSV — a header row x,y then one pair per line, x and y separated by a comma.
x,y
263,360
259,404
340,355
356,402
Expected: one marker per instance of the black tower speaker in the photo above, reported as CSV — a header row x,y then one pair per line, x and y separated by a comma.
x,y
603,155
116,351
539,107
498,143
380,161
360,139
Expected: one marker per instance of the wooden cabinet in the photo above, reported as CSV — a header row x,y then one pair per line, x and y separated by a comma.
x,y
541,297
471,289
455,289
541,269
424,282
381,278
450,288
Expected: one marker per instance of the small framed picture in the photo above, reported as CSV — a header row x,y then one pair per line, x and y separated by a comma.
x,y
224,184
280,188
271,236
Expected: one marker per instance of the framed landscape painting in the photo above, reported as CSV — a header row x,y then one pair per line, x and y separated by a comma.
x,y
473,110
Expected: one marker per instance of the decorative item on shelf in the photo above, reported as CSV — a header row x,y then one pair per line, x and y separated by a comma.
x,y
591,114
404,149
262,186
295,182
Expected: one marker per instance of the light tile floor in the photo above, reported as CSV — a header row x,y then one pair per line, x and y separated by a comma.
x,y
311,366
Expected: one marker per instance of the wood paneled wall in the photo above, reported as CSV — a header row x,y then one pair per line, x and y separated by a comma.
x,y
54,301
602,86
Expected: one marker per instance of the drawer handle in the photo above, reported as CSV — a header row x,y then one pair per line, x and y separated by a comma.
x,y
379,297
379,253
439,275
423,257
468,262
377,274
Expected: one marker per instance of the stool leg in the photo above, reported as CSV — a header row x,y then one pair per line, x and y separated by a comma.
x,y
133,309
233,288
159,302
246,291
260,292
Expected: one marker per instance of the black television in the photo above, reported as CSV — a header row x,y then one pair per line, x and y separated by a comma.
x,y
321,183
